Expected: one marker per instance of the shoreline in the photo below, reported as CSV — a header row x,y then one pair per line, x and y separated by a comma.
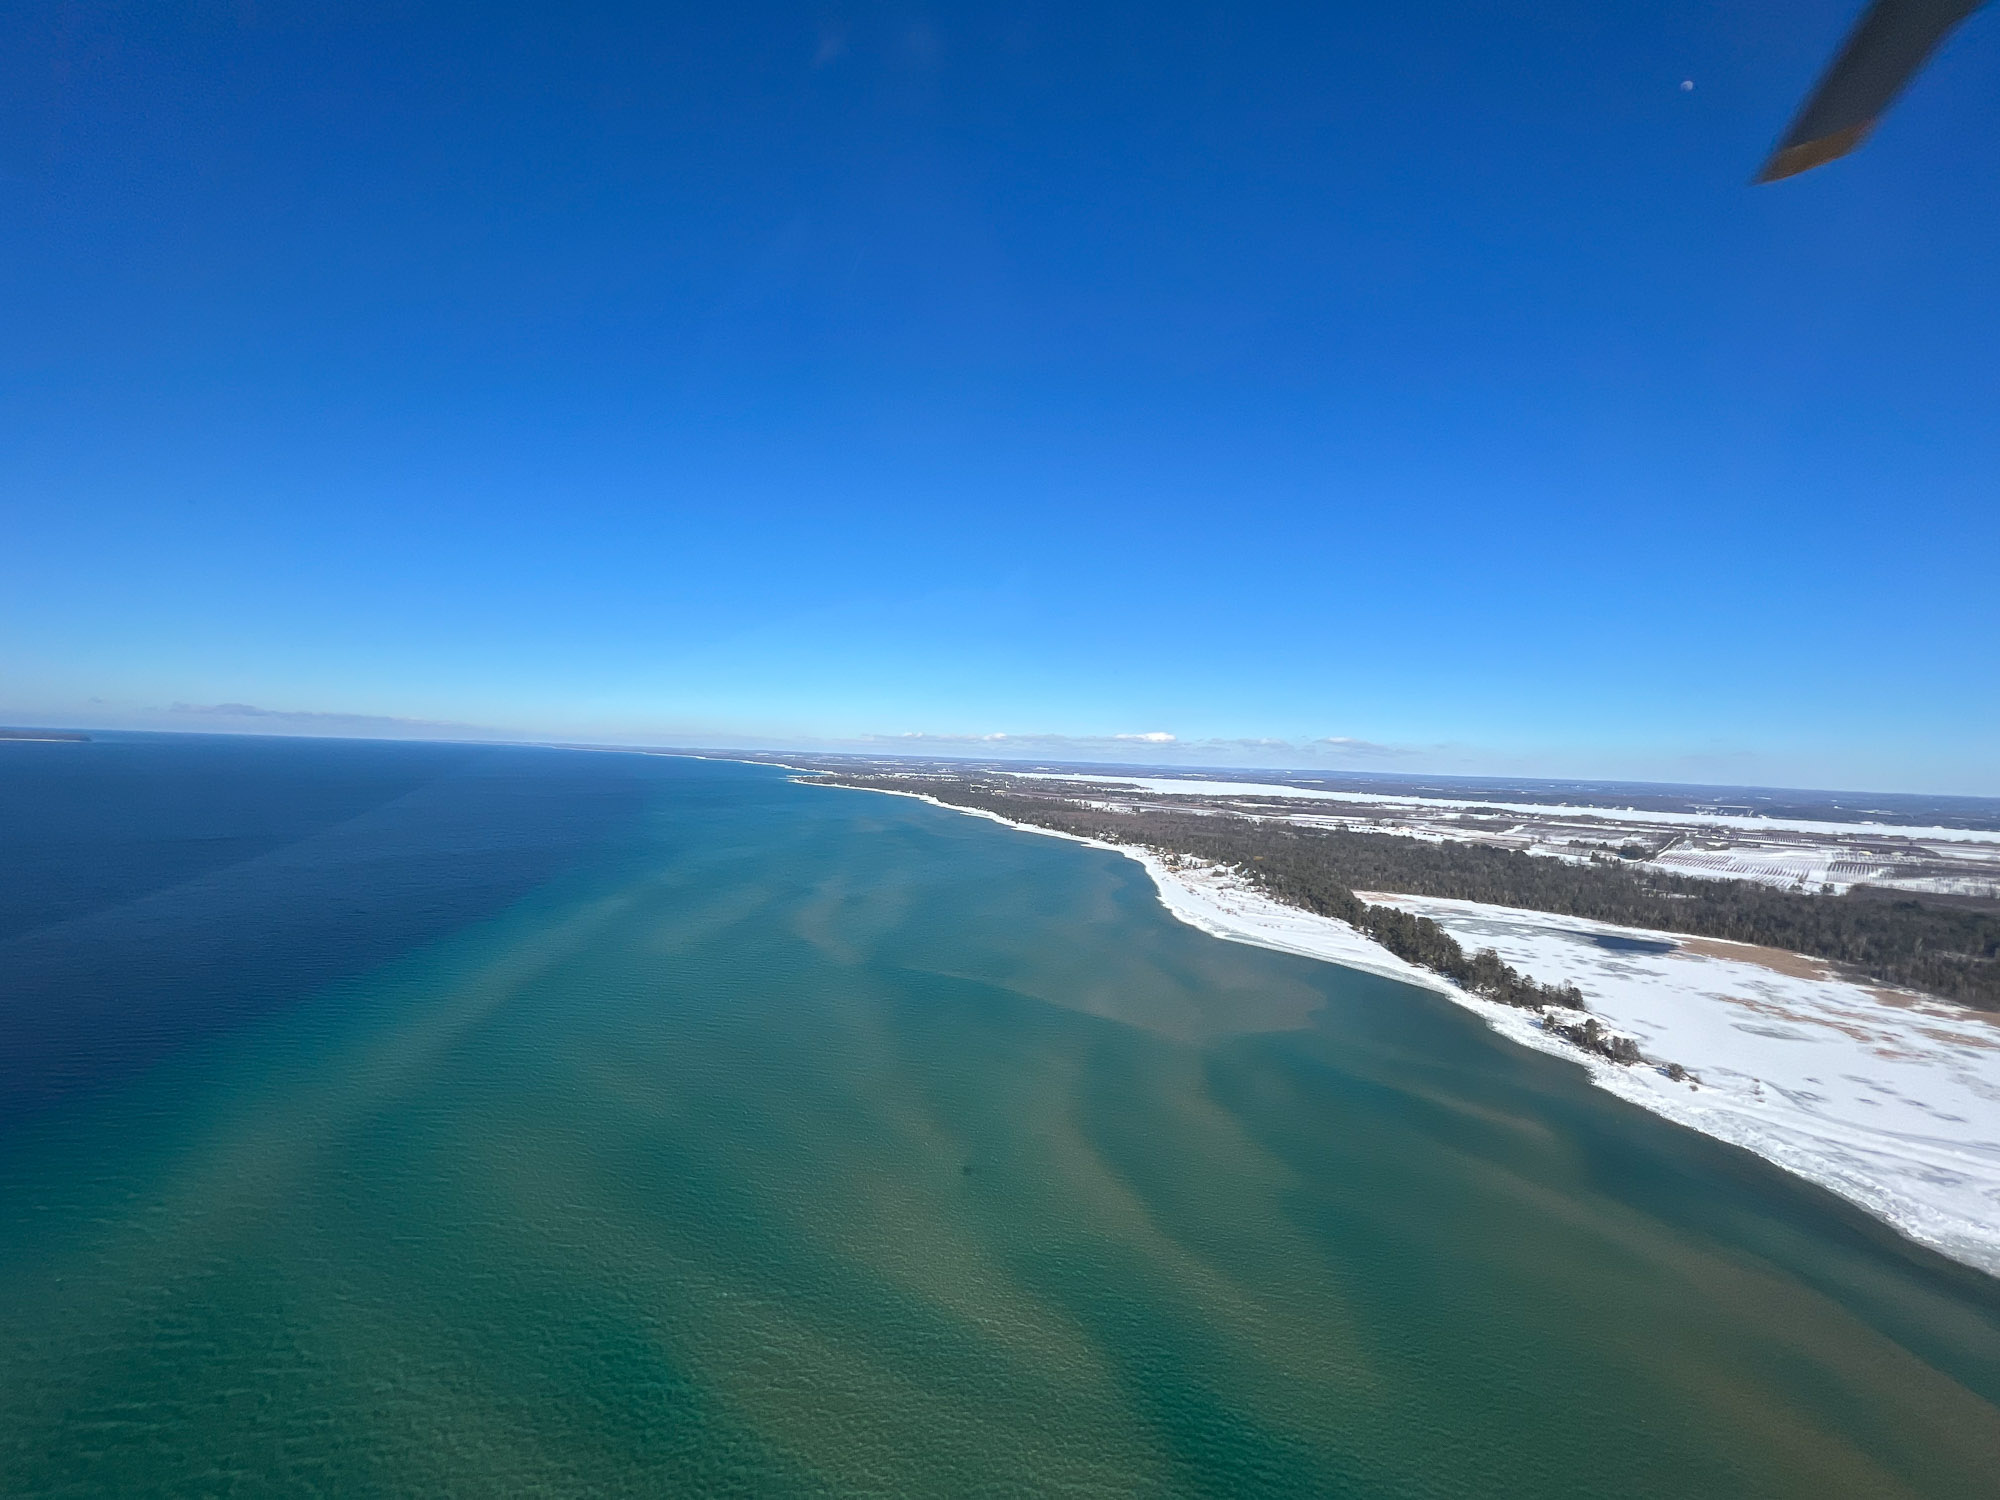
x,y
1942,1192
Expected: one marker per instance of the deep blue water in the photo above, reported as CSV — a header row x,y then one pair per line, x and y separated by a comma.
x,y
159,889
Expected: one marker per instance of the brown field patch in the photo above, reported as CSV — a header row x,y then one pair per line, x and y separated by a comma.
x,y
1797,965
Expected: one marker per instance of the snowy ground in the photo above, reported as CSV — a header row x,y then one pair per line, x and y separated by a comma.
x,y
1959,869
1188,786
1221,904
1789,853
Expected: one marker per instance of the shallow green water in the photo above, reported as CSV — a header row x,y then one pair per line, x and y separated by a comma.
x,y
814,1141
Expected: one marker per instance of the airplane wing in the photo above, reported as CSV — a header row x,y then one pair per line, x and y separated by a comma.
x,y
1883,53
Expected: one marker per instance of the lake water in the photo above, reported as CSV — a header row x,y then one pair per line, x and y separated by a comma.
x,y
418,1119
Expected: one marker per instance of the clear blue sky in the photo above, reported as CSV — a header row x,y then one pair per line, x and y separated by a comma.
x,y
1421,376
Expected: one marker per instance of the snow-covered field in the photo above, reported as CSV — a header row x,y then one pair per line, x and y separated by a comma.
x,y
1785,868
1788,853
1951,870
1188,786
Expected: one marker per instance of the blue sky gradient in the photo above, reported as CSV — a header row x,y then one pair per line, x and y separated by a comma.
x,y
1410,387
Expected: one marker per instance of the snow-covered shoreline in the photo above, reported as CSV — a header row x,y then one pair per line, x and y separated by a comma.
x,y
1892,1102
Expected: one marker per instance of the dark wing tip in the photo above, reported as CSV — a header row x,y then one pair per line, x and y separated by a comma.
x,y
1789,161
1885,50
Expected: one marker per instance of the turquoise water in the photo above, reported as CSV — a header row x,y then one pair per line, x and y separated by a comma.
x,y
791,1140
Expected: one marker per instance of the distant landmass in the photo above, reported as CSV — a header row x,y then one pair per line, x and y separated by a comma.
x,y
1903,808
67,736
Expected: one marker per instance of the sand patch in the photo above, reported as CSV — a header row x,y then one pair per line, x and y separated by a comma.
x,y
1777,960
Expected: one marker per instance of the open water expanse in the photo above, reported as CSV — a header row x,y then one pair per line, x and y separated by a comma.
x,y
398,1119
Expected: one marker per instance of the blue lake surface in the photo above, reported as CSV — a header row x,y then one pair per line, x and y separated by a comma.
x,y
407,1119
